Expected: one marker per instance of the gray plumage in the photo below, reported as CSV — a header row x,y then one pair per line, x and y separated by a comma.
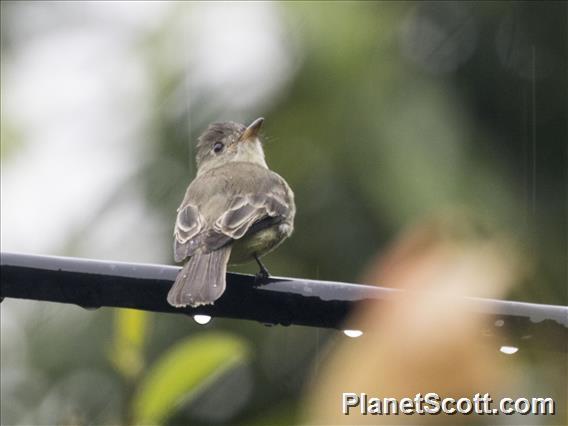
x,y
234,209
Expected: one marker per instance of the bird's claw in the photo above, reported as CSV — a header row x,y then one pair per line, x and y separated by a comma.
x,y
261,277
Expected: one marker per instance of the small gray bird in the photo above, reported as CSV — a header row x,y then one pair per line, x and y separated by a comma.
x,y
235,210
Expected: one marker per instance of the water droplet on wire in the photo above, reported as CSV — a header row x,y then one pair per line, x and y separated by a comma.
x,y
509,350
353,333
201,319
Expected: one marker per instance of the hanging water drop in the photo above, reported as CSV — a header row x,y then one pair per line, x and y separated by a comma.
x,y
353,333
201,319
509,350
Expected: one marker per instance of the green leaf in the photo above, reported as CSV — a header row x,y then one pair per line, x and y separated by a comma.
x,y
126,353
185,369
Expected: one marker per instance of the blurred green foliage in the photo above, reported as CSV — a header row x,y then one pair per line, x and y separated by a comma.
x,y
374,129
127,350
182,371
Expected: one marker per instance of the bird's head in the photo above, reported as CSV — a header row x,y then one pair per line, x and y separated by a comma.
x,y
227,142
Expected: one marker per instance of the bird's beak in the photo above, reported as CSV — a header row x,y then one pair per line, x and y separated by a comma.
x,y
252,130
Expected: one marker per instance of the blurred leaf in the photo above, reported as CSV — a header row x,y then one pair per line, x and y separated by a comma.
x,y
182,371
10,136
279,414
130,330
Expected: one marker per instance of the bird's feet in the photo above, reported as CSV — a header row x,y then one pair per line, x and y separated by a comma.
x,y
262,275
260,278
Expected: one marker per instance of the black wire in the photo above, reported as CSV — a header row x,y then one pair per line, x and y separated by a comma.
x,y
285,301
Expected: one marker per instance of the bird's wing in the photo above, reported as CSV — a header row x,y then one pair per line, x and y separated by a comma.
x,y
243,214
218,209
189,226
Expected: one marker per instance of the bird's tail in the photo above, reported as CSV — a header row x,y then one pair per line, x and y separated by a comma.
x,y
202,279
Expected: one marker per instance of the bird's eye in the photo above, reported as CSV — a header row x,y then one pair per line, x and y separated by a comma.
x,y
218,147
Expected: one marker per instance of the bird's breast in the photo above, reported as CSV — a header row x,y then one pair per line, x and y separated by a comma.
x,y
259,243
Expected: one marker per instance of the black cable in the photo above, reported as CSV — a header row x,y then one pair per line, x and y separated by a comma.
x,y
285,301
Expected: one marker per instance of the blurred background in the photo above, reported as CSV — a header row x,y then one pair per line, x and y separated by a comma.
x,y
426,145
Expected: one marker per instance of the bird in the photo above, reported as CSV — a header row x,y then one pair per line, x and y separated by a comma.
x,y
234,211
